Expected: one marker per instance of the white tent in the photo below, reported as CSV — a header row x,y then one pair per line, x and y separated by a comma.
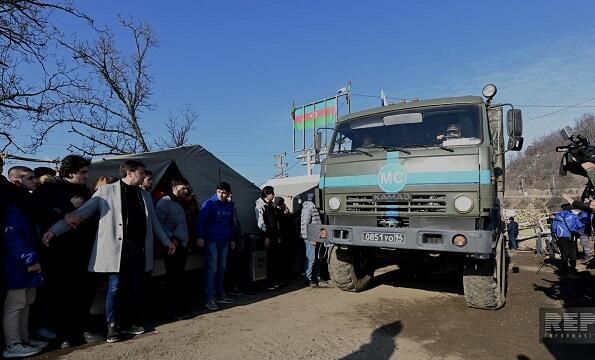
x,y
291,188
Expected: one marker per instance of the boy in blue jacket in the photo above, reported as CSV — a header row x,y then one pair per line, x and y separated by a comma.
x,y
21,269
565,226
215,229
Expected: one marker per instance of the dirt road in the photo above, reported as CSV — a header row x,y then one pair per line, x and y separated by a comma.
x,y
399,318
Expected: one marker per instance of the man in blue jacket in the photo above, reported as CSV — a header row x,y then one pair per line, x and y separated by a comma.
x,y
564,227
215,229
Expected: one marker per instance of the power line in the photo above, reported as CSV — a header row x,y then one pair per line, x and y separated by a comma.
x,y
553,106
559,110
292,166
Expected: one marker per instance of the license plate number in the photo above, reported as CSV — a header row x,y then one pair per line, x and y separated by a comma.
x,y
384,237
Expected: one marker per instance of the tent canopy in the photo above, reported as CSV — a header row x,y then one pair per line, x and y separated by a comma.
x,y
202,169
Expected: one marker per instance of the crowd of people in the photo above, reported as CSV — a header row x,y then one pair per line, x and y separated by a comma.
x,y
59,239
570,227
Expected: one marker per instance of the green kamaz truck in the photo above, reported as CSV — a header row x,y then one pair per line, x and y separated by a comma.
x,y
416,184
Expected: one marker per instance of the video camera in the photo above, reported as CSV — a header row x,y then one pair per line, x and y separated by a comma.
x,y
577,152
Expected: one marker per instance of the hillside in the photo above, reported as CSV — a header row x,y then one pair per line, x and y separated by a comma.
x,y
536,171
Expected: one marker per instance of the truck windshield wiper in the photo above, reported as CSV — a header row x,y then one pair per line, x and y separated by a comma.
x,y
354,151
388,148
428,147
445,148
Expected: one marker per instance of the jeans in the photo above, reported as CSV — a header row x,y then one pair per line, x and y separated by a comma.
x,y
513,244
111,305
123,301
216,262
312,267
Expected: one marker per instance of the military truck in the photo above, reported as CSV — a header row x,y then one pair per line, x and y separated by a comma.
x,y
419,184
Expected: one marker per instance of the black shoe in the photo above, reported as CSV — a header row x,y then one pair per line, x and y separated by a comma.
x,y
113,332
134,330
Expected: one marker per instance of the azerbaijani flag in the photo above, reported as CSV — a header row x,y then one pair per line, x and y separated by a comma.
x,y
315,115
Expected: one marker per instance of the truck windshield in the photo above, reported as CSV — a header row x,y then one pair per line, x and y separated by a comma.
x,y
445,127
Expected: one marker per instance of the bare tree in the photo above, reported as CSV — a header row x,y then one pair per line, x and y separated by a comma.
x,y
8,141
179,128
105,109
26,35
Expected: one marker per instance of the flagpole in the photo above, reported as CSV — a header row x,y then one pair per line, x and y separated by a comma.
x,y
314,126
304,129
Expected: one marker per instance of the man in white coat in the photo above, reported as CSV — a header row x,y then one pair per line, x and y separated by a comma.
x,y
123,247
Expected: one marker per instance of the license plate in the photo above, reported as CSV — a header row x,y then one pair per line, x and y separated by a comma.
x,y
397,238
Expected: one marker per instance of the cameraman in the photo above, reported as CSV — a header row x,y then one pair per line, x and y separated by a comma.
x,y
590,169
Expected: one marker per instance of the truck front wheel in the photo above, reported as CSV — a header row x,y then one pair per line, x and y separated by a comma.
x,y
484,281
350,269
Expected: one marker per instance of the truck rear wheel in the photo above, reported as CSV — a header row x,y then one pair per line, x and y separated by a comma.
x,y
484,281
350,269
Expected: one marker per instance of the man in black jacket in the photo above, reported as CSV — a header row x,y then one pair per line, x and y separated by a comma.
x,y
70,286
513,232
268,223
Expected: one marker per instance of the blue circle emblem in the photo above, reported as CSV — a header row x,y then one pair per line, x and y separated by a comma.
x,y
392,178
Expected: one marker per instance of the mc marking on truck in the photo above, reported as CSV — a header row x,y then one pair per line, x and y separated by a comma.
x,y
392,178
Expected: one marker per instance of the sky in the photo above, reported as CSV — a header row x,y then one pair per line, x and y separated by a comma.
x,y
242,63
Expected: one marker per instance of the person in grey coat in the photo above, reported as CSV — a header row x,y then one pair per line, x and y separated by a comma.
x,y
172,216
123,246
310,215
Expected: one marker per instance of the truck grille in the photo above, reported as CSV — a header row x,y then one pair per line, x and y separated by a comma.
x,y
419,203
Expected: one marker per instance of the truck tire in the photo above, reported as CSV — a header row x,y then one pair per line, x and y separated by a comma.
x,y
484,281
350,270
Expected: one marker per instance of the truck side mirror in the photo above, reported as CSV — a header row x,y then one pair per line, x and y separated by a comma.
x,y
514,122
515,143
317,146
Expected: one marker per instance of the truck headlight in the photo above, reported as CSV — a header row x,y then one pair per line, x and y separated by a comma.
x,y
463,204
334,203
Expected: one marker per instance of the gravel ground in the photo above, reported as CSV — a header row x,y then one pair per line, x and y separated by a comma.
x,y
405,317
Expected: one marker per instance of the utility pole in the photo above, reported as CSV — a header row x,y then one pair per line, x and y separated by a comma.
x,y
309,162
280,165
522,187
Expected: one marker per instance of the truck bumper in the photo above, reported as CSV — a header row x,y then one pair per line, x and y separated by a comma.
x,y
432,240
